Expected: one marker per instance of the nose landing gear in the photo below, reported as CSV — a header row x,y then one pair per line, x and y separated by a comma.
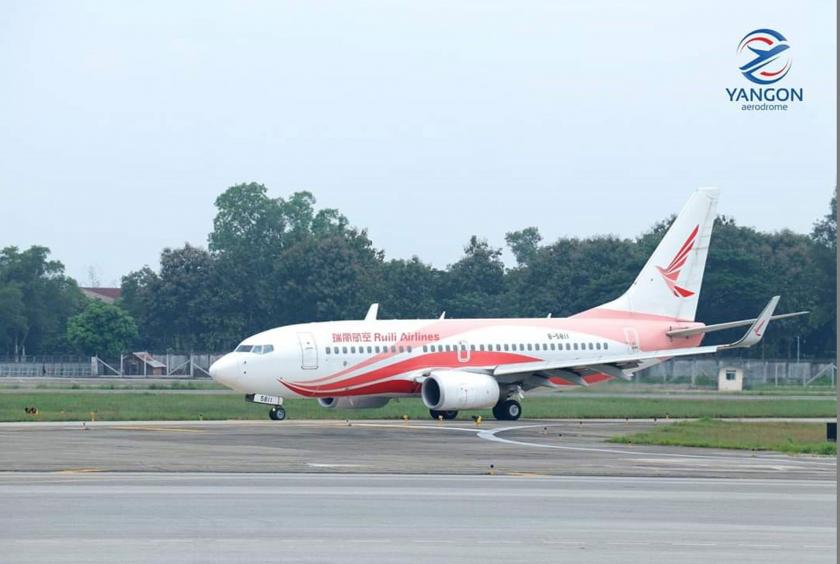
x,y
277,413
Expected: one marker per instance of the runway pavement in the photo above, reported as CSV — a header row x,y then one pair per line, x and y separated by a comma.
x,y
391,491
360,518
570,447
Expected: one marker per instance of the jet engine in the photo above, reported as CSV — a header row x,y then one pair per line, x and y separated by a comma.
x,y
353,402
446,390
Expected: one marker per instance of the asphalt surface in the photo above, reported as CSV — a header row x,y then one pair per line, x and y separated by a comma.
x,y
572,447
177,518
386,491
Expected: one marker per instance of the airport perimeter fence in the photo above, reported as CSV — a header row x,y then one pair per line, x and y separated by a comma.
x,y
130,365
697,372
704,372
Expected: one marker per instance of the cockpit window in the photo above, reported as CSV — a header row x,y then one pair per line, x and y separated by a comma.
x,y
256,349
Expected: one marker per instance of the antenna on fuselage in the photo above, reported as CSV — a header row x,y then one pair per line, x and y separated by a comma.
x,y
373,311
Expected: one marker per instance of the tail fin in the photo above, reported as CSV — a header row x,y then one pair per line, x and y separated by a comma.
x,y
669,284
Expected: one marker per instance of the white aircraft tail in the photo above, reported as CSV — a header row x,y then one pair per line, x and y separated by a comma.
x,y
669,284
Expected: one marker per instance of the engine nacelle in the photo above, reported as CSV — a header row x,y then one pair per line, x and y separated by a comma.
x,y
447,390
353,402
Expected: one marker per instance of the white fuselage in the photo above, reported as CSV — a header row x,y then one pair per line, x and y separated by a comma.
x,y
389,358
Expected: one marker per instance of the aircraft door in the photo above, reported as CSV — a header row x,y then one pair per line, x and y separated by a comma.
x,y
631,337
463,351
308,351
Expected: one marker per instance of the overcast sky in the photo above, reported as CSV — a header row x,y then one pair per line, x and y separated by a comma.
x,y
426,122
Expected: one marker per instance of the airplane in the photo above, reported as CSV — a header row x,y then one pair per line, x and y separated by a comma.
x,y
459,364
763,57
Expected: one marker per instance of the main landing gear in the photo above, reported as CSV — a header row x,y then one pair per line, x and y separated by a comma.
x,y
507,410
277,413
447,415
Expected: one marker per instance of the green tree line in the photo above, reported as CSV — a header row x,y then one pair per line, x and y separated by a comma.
x,y
277,261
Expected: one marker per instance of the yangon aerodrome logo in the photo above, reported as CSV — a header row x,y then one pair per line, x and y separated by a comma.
x,y
671,273
764,58
765,54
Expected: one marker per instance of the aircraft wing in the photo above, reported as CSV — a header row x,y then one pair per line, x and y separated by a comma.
x,y
535,374
621,360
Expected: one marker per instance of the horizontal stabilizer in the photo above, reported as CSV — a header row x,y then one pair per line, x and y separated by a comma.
x,y
689,331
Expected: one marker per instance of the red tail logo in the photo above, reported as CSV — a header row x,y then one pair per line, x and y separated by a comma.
x,y
671,272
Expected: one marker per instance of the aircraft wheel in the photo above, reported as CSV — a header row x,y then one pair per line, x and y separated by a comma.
x,y
507,410
277,413
447,415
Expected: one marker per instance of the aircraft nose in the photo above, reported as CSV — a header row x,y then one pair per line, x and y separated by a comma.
x,y
223,370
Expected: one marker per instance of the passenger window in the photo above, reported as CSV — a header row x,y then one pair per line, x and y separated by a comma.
x,y
370,350
576,346
393,349
481,348
328,350
472,347
598,346
529,346
590,346
605,346
552,346
506,347
545,346
424,348
353,350
344,350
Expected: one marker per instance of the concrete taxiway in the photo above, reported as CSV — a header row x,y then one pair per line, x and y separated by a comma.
x,y
391,491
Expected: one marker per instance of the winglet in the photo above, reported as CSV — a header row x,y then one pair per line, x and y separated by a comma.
x,y
373,311
442,315
757,329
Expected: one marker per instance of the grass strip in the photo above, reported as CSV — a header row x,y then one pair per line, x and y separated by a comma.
x,y
122,406
782,436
